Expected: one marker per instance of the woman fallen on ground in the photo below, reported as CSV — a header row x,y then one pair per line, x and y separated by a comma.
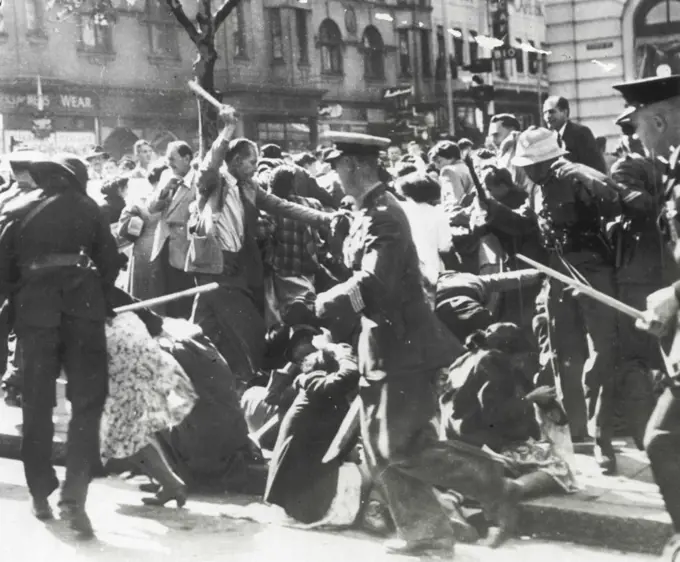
x,y
490,401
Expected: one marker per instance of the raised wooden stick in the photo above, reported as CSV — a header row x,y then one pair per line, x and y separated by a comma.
x,y
585,289
200,91
167,298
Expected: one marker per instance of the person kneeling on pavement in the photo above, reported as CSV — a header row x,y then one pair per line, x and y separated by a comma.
x,y
488,401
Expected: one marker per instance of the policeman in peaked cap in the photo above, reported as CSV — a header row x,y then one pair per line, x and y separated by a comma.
x,y
401,348
653,107
654,111
57,281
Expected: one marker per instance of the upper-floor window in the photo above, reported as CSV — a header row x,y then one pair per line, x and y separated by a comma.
x,y
374,61
330,42
544,59
533,59
276,31
162,30
302,36
404,53
519,57
94,36
426,51
239,19
34,16
474,47
458,46
3,29
657,17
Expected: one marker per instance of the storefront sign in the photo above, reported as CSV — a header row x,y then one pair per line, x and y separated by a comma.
x,y
599,46
57,102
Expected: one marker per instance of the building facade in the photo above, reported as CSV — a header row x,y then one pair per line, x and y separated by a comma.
x,y
596,43
517,71
104,85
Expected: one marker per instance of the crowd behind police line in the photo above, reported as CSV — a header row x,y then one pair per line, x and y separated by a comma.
x,y
543,367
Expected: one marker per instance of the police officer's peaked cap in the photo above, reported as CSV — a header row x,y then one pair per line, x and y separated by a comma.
x,y
356,144
640,93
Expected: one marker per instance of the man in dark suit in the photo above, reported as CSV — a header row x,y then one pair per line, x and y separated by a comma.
x,y
401,350
577,139
58,260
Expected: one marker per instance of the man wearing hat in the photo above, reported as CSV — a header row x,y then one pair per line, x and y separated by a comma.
x,y
654,109
95,158
401,349
571,205
58,261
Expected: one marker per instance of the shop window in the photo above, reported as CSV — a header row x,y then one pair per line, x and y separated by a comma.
x,y
162,30
426,52
474,47
519,57
239,19
374,61
34,17
276,33
404,53
302,36
458,47
330,43
533,59
94,37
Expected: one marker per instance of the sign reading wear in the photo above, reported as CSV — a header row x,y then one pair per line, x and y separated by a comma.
x,y
58,102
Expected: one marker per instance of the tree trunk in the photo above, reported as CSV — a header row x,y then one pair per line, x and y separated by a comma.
x,y
204,72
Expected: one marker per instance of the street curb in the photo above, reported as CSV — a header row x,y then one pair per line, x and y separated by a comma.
x,y
624,528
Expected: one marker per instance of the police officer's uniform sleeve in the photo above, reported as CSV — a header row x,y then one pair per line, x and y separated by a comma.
x,y
105,252
377,280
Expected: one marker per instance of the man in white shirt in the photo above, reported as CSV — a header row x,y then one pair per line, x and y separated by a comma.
x,y
232,316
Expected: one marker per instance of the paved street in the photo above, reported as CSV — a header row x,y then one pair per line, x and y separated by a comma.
x,y
202,532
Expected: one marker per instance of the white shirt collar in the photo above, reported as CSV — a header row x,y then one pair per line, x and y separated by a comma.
x,y
561,131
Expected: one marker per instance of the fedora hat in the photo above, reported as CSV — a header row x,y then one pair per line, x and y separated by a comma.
x,y
536,145
68,164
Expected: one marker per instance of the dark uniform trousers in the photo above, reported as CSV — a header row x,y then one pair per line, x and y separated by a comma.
x,y
407,459
78,346
662,443
583,336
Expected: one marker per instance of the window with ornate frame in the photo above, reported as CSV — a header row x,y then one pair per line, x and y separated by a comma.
x,y
374,54
94,36
240,42
276,33
330,43
404,46
162,26
657,17
302,36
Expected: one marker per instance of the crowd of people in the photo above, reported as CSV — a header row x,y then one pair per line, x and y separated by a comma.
x,y
374,330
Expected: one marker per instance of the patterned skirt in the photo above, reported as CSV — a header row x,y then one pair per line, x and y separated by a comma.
x,y
148,390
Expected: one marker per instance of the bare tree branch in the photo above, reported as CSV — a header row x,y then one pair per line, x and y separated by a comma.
x,y
175,7
223,11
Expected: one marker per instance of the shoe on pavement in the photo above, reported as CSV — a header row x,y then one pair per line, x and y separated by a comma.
x,y
443,545
77,520
605,457
41,509
507,515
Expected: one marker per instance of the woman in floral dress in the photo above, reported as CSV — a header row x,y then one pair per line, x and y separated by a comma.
x,y
148,392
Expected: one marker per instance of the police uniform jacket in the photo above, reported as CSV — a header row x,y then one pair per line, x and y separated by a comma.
x,y
33,254
400,334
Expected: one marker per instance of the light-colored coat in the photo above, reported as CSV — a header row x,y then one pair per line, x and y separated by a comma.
x,y
172,225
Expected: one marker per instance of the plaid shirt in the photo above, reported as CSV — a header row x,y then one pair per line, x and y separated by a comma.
x,y
291,245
